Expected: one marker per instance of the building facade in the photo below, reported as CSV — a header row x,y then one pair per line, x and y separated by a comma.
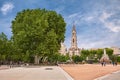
x,y
116,50
63,49
74,50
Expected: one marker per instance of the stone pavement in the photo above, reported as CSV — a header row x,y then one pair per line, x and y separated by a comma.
x,y
37,73
89,71
112,76
4,67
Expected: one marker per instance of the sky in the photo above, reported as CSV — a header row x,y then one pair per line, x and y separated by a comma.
x,y
97,21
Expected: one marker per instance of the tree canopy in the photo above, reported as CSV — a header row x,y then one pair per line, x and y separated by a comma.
x,y
38,32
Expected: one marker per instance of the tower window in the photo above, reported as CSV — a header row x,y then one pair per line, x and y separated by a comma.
x,y
73,40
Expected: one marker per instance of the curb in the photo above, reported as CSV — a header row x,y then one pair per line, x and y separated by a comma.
x,y
100,78
66,74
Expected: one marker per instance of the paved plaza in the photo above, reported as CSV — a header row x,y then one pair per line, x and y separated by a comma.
x,y
92,71
111,76
34,73
74,72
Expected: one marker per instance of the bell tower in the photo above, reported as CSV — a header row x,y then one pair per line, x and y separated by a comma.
x,y
74,38
74,50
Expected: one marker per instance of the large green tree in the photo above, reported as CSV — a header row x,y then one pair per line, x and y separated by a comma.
x,y
38,33
3,45
7,50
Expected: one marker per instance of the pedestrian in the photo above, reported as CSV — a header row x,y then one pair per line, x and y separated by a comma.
x,y
102,63
113,63
11,64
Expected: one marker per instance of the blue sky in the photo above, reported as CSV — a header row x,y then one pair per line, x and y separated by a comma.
x,y
97,21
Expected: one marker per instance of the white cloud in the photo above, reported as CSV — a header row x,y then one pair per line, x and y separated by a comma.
x,y
109,24
80,18
92,44
59,9
105,15
5,25
89,18
112,26
7,7
73,17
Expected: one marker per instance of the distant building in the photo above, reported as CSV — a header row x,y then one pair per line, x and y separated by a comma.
x,y
116,50
63,49
94,49
74,50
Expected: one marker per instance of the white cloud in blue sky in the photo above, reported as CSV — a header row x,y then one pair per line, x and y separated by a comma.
x,y
97,21
7,7
111,25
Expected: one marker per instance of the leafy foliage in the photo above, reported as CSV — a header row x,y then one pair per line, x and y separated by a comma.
x,y
95,55
59,58
38,32
118,59
7,49
77,58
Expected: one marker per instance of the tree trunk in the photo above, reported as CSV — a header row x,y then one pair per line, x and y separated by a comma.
x,y
37,59
44,59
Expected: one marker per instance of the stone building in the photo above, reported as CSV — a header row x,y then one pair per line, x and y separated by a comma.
x,y
116,50
74,50
63,49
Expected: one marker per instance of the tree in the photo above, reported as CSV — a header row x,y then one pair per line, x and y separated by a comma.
x,y
109,52
39,32
118,59
8,52
3,46
77,58
63,58
99,53
84,54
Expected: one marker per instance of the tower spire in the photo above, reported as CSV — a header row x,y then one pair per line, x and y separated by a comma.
x,y
74,37
74,50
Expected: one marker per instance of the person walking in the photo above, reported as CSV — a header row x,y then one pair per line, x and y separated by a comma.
x,y
102,63
113,63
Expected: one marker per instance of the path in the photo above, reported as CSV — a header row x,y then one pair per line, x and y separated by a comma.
x,y
39,73
89,71
112,76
